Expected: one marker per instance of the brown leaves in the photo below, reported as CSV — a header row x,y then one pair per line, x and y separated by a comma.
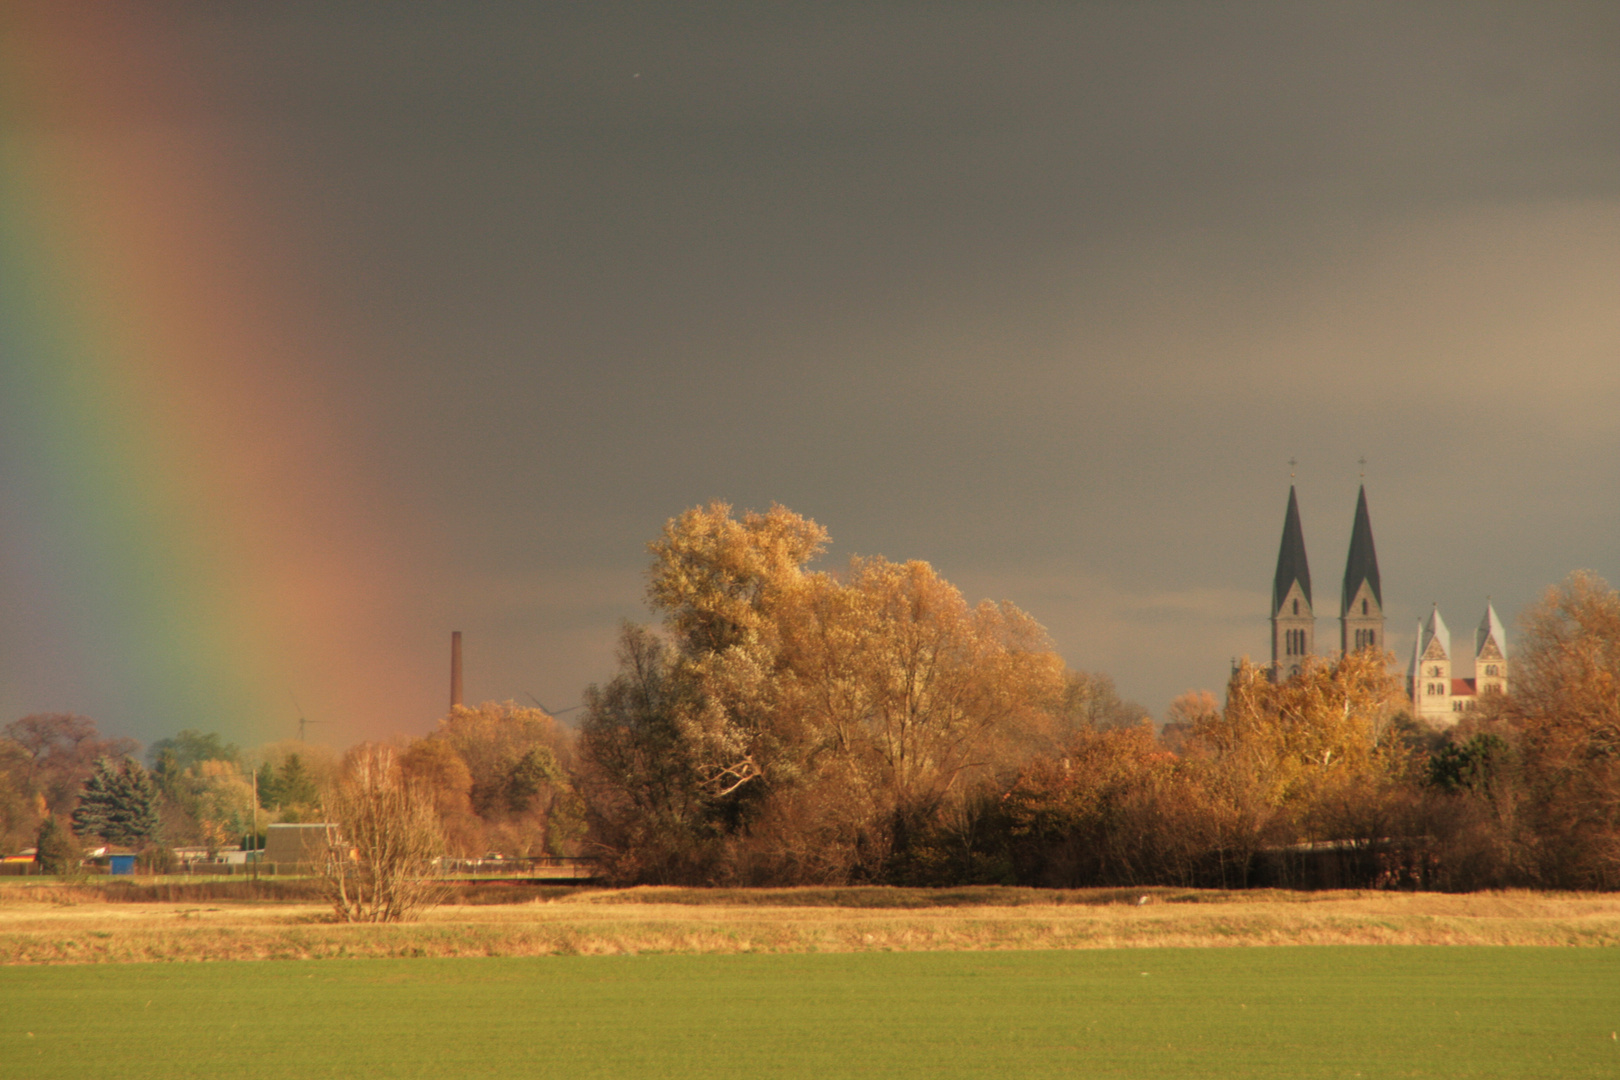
x,y
496,776
1566,678
1565,703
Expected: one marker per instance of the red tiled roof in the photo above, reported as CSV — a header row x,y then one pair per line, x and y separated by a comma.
x,y
1462,688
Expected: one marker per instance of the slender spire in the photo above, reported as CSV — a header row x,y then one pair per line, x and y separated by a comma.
x,y
1291,563
1363,562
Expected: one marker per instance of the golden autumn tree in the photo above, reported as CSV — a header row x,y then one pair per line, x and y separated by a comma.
x,y
1565,705
914,687
723,585
499,777
1322,732
1566,678
810,715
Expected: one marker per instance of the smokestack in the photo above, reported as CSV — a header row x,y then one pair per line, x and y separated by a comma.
x,y
455,668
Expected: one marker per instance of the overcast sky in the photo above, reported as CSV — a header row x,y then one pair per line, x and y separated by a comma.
x,y
1046,295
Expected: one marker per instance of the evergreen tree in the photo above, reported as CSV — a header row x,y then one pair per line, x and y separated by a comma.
x,y
294,785
119,804
166,772
269,793
528,777
189,747
54,850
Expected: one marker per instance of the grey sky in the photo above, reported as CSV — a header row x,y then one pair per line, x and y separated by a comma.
x,y
1046,295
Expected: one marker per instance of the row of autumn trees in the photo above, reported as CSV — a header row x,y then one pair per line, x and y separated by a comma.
x,y
797,726
495,777
785,725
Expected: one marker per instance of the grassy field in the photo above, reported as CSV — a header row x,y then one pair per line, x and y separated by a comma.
x,y
1305,1012
194,922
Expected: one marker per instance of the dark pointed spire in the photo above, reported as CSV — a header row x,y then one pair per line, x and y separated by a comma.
x,y
1363,562
1291,563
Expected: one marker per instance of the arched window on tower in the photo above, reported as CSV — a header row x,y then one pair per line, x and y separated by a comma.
x,y
1296,607
1364,607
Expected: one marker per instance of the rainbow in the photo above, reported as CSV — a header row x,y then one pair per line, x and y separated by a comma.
x,y
184,505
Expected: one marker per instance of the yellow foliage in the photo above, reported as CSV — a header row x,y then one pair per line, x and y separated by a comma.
x,y
1288,738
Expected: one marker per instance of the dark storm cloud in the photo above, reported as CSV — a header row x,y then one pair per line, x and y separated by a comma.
x,y
1044,293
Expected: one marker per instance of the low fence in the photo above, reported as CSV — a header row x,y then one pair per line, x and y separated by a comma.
x,y
197,869
547,868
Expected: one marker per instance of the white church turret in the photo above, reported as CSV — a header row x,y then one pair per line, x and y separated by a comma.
x,y
1431,672
1490,655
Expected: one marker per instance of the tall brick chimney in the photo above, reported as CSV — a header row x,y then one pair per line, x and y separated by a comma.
x,y
455,668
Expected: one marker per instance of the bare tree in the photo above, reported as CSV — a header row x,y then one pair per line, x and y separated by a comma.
x,y
384,837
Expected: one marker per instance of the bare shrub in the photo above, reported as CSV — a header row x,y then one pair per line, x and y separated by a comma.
x,y
380,852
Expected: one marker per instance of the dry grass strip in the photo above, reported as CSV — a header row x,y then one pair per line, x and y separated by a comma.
x,y
74,928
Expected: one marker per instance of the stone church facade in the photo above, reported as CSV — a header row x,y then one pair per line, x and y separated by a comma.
x,y
1441,698
1437,696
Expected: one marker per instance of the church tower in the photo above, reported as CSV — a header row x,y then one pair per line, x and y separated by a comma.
x,y
1293,623
1431,672
1361,603
1490,655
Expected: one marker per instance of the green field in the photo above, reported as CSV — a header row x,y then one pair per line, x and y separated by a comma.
x,y
1285,1012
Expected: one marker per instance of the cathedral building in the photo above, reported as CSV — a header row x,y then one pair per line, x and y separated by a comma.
x,y
1361,598
1437,697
